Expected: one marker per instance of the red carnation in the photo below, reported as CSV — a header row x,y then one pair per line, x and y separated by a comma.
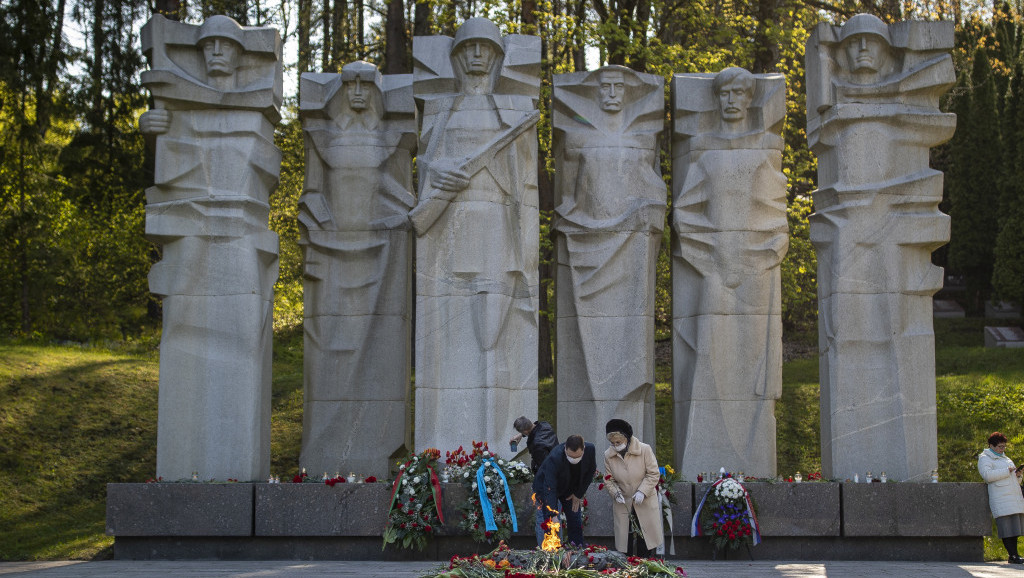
x,y
584,502
608,477
371,479
600,486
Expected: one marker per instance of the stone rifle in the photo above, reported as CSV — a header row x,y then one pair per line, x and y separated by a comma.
x,y
430,208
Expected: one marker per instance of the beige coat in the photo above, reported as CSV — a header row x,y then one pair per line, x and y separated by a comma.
x,y
637,471
1004,495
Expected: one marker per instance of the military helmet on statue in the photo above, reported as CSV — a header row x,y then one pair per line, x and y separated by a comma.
x,y
479,29
221,27
865,24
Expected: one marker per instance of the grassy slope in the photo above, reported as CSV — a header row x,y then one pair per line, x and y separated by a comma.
x,y
73,419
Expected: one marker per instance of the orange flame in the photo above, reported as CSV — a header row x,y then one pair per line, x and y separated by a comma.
x,y
552,542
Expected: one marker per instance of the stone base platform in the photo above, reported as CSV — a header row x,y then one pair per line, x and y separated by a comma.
x,y
808,521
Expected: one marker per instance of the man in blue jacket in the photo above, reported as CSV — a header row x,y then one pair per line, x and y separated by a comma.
x,y
562,480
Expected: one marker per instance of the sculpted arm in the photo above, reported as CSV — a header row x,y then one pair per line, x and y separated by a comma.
x,y
154,122
314,210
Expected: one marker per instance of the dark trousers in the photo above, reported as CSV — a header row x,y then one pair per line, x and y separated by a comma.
x,y
573,522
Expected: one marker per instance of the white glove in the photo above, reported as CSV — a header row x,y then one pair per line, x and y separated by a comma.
x,y
638,497
620,499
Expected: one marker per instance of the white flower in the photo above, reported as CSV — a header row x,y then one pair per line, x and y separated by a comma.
x,y
501,462
487,478
474,485
416,480
401,467
465,474
486,453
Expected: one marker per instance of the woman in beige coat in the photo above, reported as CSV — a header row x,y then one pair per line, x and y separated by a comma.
x,y
631,478
1004,495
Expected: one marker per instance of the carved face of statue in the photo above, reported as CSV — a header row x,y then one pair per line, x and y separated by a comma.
x,y
865,52
221,56
612,87
357,94
735,99
477,57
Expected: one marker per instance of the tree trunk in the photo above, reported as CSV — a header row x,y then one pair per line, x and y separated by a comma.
x,y
579,51
327,52
421,20
304,24
360,40
95,116
339,23
765,50
168,8
529,16
395,40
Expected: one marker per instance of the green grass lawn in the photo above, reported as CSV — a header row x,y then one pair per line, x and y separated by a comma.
x,y
73,419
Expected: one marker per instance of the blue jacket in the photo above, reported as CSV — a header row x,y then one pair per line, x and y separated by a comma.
x,y
552,480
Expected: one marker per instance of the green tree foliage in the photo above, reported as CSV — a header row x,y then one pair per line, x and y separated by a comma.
x,y
284,210
974,193
73,257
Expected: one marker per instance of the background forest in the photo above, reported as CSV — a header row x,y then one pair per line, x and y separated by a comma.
x,y
73,167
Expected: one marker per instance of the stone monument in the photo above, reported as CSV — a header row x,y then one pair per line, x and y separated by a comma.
x,y
360,132
731,233
872,113
610,204
477,234
217,91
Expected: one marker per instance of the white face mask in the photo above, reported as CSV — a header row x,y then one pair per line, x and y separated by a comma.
x,y
619,447
574,461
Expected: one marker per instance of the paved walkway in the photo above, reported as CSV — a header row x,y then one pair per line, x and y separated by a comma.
x,y
292,569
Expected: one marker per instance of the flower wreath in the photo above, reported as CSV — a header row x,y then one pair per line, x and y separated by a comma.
x,y
489,512
415,502
726,514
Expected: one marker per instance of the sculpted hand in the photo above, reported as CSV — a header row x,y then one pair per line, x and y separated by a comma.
x,y
619,498
155,121
449,179
639,497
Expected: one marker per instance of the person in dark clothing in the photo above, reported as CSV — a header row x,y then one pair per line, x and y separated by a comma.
x,y
562,480
540,438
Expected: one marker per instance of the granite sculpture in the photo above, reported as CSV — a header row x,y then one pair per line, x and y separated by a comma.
x,y
477,233
872,113
360,133
217,92
731,234
610,205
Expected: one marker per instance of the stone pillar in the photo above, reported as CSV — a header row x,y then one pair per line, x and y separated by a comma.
x,y
872,113
731,234
216,91
354,229
477,233
610,204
